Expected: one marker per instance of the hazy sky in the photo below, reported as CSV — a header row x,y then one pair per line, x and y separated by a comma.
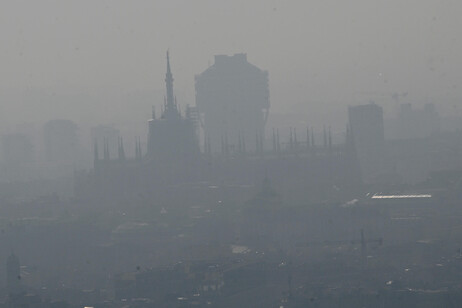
x,y
98,60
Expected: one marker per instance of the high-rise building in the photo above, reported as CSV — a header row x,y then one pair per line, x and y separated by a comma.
x,y
232,95
416,122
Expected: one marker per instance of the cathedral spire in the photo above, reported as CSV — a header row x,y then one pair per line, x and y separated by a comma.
x,y
171,109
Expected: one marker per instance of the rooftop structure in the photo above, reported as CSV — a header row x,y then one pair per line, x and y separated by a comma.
x,y
172,137
233,97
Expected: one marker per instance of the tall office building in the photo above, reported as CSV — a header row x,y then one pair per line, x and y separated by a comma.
x,y
232,95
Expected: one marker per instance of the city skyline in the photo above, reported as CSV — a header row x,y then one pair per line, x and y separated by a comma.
x,y
319,58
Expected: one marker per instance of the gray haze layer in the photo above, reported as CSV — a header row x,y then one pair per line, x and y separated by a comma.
x,y
103,61
298,154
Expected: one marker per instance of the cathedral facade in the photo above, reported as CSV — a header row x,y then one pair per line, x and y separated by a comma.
x,y
174,169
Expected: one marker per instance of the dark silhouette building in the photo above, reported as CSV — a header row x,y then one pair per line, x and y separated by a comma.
x,y
174,170
104,133
414,123
233,97
172,137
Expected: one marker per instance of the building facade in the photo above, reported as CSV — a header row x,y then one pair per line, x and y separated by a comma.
x,y
232,95
173,170
172,136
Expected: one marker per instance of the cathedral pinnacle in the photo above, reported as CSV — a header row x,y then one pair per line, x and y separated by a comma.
x,y
171,109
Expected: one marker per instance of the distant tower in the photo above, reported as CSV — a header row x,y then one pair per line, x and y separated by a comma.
x,y
172,137
12,274
233,97
170,107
